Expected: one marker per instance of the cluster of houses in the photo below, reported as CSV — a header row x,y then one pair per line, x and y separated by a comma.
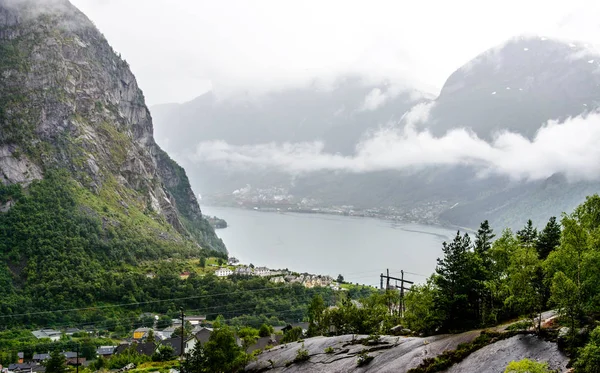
x,y
34,365
246,271
144,340
277,276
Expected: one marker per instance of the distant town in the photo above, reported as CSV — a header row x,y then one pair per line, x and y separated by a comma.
x,y
279,199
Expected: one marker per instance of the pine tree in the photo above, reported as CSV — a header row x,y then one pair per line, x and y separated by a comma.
x,y
549,238
483,269
528,235
457,285
56,363
483,238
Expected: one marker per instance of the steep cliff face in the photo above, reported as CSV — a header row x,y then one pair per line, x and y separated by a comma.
x,y
68,101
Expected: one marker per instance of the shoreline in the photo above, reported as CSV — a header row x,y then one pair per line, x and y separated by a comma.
x,y
348,215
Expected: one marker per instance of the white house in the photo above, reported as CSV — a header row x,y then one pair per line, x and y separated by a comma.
x,y
223,272
244,271
54,335
262,271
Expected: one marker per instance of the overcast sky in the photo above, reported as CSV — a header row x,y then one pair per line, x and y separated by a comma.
x,y
180,48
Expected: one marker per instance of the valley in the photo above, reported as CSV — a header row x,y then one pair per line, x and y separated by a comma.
x,y
350,221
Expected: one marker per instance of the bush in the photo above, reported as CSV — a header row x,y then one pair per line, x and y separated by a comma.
x,y
363,359
521,325
527,366
589,356
329,350
265,330
301,355
292,335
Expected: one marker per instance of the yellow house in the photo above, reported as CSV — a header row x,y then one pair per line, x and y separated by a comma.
x,y
140,333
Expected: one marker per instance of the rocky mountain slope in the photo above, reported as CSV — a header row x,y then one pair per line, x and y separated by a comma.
x,y
401,354
83,185
517,86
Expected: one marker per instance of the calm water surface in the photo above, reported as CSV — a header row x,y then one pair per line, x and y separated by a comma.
x,y
358,248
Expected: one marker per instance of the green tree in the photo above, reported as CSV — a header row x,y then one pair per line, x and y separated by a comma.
x,y
340,279
222,353
146,321
249,336
202,262
88,350
484,238
527,366
195,361
292,335
56,363
265,330
150,337
482,270
315,316
457,284
526,295
164,353
421,314
164,322
588,360
548,239
566,297
528,235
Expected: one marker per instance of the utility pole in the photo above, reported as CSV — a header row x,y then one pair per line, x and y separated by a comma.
x,y
387,285
381,282
402,287
401,293
77,361
182,338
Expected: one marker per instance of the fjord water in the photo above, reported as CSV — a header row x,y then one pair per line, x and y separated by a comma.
x,y
358,248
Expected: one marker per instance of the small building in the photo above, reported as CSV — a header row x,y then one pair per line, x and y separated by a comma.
x,y
105,351
147,348
195,319
261,343
29,367
71,331
243,271
20,356
278,279
175,343
140,333
166,332
232,261
203,335
262,271
38,358
53,335
223,272
184,275
72,359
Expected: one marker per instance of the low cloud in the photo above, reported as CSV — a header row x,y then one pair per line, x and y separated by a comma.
x,y
570,148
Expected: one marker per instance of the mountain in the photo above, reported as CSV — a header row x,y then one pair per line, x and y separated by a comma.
x,y
517,86
85,191
338,115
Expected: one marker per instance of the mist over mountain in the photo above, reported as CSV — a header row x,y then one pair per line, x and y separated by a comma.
x,y
517,123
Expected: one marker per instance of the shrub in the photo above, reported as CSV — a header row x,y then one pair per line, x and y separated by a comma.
x,y
302,355
329,350
521,325
363,359
527,366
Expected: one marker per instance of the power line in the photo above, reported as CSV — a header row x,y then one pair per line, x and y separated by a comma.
x,y
139,303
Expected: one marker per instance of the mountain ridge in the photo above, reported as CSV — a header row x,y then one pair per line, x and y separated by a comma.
x,y
517,86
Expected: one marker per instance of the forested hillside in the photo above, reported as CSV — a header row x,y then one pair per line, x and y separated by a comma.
x,y
85,192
